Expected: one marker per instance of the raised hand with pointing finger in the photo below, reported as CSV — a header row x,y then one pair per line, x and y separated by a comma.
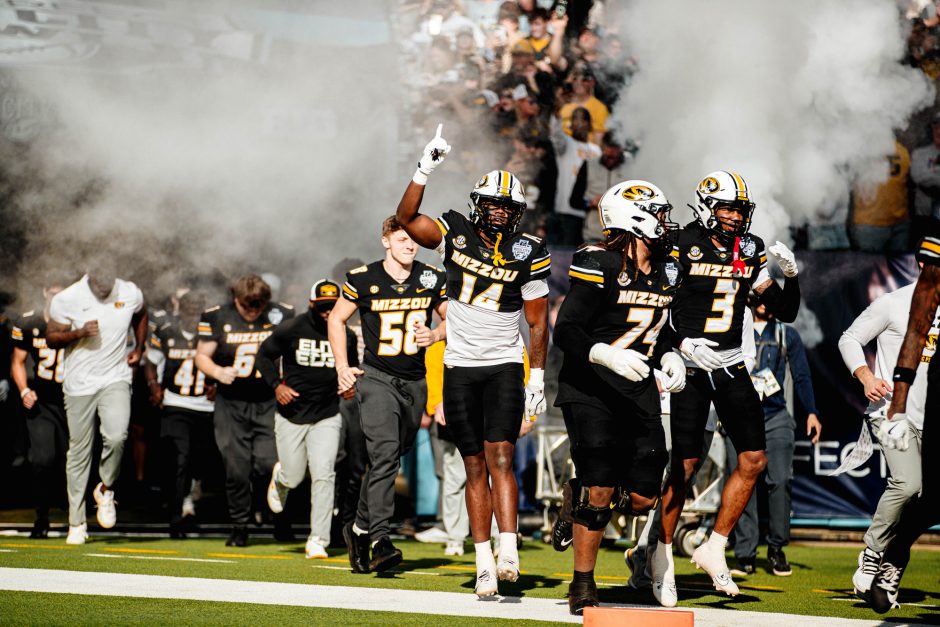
x,y
434,154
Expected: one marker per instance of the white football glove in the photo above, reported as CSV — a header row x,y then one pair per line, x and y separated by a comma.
x,y
784,258
434,154
535,394
895,433
627,363
698,351
674,369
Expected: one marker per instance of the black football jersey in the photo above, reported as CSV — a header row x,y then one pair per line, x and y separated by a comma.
x,y
490,279
238,342
389,311
29,334
625,309
180,374
712,299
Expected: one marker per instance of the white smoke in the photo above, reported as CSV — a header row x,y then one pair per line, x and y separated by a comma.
x,y
802,98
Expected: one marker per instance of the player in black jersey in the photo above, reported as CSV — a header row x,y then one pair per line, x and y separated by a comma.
x,y
42,398
495,274
720,262
307,424
186,399
395,298
229,339
609,328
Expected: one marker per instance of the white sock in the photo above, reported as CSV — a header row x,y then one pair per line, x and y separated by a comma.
x,y
358,531
507,546
485,559
718,541
664,553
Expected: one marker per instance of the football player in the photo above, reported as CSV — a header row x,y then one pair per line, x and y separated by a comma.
x,y
46,423
307,424
396,297
185,395
230,336
895,431
720,262
609,329
495,275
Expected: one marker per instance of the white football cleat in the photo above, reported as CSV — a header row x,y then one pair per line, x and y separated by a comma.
x,y
508,568
453,548
277,492
107,513
713,562
486,585
663,574
432,535
77,534
868,563
314,550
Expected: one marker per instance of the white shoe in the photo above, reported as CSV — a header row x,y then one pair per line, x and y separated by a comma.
x,y
314,550
663,573
189,506
453,548
277,492
433,535
868,563
486,583
195,490
107,513
712,560
77,534
508,568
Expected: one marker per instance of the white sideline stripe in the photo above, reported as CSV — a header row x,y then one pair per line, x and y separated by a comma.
x,y
397,572
353,598
7,550
153,557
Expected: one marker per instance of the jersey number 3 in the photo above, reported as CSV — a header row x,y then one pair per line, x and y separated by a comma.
x,y
724,304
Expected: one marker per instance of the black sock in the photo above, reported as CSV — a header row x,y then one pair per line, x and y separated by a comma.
x,y
583,577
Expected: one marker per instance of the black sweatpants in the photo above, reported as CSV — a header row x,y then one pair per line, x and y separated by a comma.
x,y
185,437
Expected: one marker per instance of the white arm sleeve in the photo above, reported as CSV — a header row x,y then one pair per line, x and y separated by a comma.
x,y
748,343
155,356
762,277
869,325
535,289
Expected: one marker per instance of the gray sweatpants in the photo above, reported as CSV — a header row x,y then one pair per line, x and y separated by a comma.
x,y
904,483
453,500
391,410
112,404
314,446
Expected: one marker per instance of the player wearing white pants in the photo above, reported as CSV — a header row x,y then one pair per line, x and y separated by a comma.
x,y
886,319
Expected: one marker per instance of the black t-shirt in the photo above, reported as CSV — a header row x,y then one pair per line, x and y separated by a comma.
x,y
624,309
389,311
180,374
29,334
238,343
711,302
308,366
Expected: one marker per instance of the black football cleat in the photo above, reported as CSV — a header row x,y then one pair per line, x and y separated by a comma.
x,y
40,529
384,556
357,547
884,588
238,537
563,528
581,595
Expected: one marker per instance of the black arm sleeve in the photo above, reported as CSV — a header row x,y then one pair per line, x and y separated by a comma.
x,y
784,303
271,350
577,309
352,348
665,342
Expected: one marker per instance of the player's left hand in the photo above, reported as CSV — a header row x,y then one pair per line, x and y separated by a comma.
x,y
424,336
133,357
674,369
535,394
812,422
895,433
285,394
784,258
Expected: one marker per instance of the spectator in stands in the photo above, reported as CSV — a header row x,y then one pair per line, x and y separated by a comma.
x,y
925,174
538,36
582,91
442,17
601,176
880,217
523,71
572,154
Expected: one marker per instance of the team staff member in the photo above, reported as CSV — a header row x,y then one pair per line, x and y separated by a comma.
x,y
307,423
186,398
90,319
609,327
45,413
230,337
395,298
495,274
721,262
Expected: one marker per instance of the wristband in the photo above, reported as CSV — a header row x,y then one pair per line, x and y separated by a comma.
x,y
152,382
420,177
904,375
24,392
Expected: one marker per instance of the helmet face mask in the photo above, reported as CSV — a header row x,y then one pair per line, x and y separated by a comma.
x,y
718,191
497,194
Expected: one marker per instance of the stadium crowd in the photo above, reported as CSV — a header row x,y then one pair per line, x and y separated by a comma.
x,y
221,381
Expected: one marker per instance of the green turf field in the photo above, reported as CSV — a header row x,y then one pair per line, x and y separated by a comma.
x,y
820,584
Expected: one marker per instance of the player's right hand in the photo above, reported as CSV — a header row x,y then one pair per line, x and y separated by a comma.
x,y
90,328
156,394
347,377
698,351
895,433
29,399
434,153
226,375
875,389
627,363
439,415
285,394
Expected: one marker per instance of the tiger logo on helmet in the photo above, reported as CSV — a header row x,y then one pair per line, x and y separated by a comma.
x,y
495,190
723,190
636,207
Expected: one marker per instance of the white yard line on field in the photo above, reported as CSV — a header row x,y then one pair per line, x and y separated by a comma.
x,y
156,557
